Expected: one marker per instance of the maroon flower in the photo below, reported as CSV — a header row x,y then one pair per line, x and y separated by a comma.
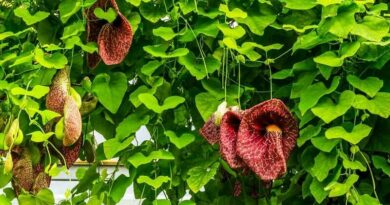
x,y
228,138
210,131
71,153
114,39
266,136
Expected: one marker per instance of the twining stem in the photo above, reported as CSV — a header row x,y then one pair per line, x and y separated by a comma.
x,y
371,174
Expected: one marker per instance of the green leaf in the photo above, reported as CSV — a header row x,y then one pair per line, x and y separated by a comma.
x,y
55,60
324,144
112,146
234,33
149,68
349,164
44,197
109,15
37,92
119,187
155,183
366,199
139,159
68,8
182,141
235,13
143,89
377,105
358,133
338,189
199,176
22,12
131,124
39,136
381,163
307,133
151,102
258,19
47,115
199,68
110,89
4,200
160,51
311,95
341,24
165,33
328,111
323,163
207,104
312,39
186,6
135,2
73,30
370,85
153,11
162,202
373,28
300,5
317,190
329,58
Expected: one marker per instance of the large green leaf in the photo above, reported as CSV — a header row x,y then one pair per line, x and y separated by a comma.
x,y
234,13
165,33
151,102
29,19
68,8
338,189
300,5
207,104
377,105
307,133
351,164
112,146
323,163
182,141
317,190
311,95
258,19
139,159
370,85
366,199
37,92
373,28
110,89
4,200
199,67
155,183
328,111
381,163
109,15
200,176
341,24
160,51
131,124
55,60
358,133
119,187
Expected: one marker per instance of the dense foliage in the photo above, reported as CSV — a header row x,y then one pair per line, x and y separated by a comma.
x,y
328,60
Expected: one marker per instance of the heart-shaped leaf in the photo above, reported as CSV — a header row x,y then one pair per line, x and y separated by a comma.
x,y
182,141
328,111
160,51
139,159
155,183
110,89
55,60
109,15
151,102
358,133
22,12
370,85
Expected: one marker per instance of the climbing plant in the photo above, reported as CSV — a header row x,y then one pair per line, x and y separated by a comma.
x,y
168,70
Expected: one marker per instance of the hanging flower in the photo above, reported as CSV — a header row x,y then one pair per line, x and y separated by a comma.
x,y
113,39
266,136
210,130
228,138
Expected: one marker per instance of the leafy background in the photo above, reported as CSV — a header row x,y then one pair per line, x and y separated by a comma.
x,y
327,59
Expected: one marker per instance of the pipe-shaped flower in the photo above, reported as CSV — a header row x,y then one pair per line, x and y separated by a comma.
x,y
114,39
267,134
228,138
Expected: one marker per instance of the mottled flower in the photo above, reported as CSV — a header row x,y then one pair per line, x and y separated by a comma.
x,y
228,138
113,39
266,136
